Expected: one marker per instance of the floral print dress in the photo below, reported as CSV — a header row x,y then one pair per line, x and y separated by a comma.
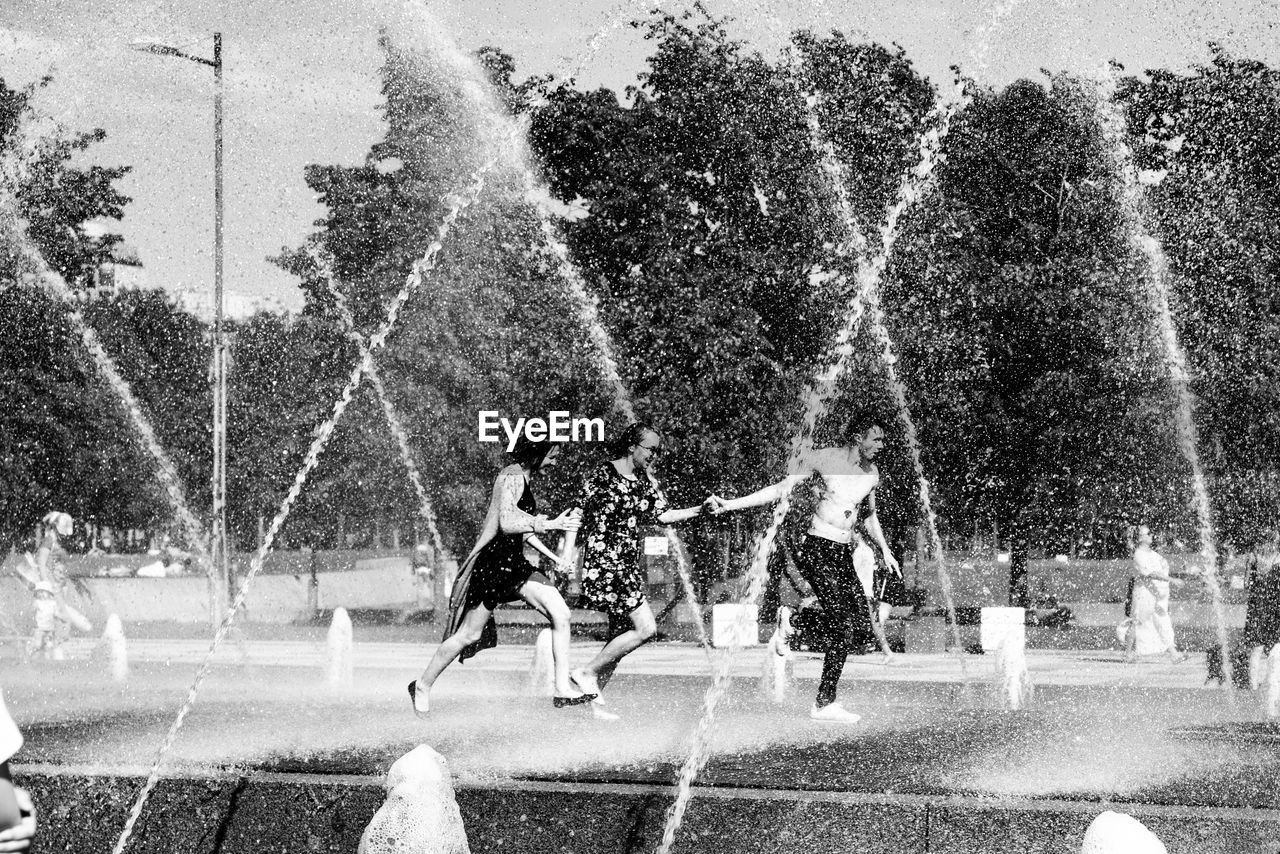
x,y
614,509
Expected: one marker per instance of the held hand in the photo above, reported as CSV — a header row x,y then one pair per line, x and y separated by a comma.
x,y
715,505
18,838
1176,582
569,520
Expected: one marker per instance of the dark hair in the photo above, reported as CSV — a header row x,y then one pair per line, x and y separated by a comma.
x,y
632,435
530,453
858,424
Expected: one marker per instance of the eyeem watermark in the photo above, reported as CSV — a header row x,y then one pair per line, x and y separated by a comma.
x,y
558,426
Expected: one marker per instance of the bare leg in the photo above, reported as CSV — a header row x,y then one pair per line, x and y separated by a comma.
x,y
467,634
878,630
644,627
548,602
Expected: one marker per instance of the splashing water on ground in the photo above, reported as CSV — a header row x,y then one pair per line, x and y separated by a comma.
x,y
913,186
1133,207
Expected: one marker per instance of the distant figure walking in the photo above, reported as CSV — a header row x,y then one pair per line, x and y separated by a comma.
x,y
503,567
1152,626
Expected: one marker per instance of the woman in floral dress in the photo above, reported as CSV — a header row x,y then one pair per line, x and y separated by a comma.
x,y
619,499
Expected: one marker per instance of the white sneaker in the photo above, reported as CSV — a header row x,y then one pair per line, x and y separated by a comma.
x,y
833,713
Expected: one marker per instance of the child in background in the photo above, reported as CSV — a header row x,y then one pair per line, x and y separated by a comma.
x,y
51,627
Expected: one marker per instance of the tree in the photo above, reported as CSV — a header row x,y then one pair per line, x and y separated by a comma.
x,y
57,200
711,229
1024,321
1207,142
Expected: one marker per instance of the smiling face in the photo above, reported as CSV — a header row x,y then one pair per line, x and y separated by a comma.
x,y
645,454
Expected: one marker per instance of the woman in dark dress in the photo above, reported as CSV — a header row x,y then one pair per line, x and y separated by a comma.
x,y
503,567
620,498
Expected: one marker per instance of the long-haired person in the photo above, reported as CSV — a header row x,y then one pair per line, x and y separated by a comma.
x,y
503,567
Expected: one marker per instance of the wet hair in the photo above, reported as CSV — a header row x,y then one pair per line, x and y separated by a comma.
x,y
857,425
530,453
631,436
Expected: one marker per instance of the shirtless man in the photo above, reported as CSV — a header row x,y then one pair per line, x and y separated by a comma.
x,y
825,556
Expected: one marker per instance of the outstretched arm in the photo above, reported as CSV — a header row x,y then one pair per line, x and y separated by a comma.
x,y
671,517
769,495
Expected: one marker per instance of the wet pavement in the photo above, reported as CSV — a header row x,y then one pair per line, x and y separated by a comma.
x,y
1097,728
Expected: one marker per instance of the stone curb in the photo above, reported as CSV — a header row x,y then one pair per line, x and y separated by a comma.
x,y
84,809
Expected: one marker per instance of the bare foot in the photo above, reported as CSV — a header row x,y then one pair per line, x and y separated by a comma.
x,y
586,682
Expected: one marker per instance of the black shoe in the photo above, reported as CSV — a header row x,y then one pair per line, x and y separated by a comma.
x,y
561,702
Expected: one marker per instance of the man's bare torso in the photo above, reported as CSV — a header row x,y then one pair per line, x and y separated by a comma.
x,y
845,485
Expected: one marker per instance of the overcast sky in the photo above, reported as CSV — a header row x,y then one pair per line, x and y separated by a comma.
x,y
302,87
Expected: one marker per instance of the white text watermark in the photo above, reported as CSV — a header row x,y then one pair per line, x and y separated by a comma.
x,y
558,426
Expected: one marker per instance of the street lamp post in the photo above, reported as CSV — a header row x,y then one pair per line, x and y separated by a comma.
x,y
219,571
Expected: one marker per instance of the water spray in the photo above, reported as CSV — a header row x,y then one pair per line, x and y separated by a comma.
x,y
1133,207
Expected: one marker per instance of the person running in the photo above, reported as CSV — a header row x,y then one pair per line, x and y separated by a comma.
x,y
848,475
503,567
619,498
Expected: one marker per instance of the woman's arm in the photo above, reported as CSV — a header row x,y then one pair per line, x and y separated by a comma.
x,y
672,517
511,519
537,543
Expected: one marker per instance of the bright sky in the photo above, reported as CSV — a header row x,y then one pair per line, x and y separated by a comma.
x,y
302,86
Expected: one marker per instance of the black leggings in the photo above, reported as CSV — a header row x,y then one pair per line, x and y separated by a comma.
x,y
828,568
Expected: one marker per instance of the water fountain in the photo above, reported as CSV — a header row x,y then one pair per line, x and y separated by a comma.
x,y
12,171
866,299
1132,205
1043,751
324,266
815,401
